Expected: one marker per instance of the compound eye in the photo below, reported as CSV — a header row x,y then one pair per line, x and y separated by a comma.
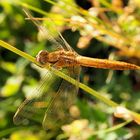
x,y
41,57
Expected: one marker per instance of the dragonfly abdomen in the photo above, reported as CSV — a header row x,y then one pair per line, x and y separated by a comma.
x,y
105,64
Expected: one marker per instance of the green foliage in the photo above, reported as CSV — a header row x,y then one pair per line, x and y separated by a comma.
x,y
18,76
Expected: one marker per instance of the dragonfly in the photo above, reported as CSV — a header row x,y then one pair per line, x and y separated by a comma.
x,y
53,107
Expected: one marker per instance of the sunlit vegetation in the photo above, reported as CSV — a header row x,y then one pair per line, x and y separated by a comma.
x,y
107,29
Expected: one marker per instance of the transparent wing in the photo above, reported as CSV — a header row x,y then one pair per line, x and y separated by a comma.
x,y
51,102
57,103
58,113
48,32
35,106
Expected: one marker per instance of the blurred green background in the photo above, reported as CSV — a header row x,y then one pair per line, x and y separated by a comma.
x,y
18,76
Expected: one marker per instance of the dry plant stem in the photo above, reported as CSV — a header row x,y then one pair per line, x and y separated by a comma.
x,y
124,49
115,35
85,12
109,32
120,47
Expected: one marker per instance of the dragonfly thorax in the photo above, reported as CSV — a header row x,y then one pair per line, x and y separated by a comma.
x,y
44,57
58,58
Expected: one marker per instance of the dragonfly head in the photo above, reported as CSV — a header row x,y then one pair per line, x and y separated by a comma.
x,y
42,57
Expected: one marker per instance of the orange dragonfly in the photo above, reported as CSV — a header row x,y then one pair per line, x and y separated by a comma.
x,y
53,107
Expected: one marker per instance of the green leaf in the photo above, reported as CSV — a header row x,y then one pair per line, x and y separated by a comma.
x,y
12,86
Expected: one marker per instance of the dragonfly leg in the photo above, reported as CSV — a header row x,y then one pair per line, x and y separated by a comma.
x,y
59,64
